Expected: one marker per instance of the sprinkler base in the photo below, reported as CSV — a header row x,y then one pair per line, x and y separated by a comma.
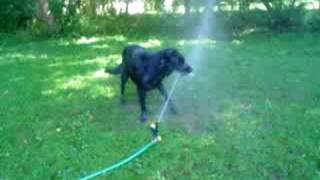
x,y
154,127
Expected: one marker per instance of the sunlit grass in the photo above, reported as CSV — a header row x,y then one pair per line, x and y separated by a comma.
x,y
85,40
250,112
206,42
151,43
88,82
114,58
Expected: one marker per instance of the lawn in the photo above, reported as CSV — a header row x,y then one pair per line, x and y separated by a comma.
x,y
251,111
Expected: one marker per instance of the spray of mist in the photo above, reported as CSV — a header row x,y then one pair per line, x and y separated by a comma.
x,y
189,93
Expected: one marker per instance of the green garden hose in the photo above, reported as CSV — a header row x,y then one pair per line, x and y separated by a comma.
x,y
124,161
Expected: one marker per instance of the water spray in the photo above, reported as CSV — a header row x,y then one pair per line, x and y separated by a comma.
x,y
154,125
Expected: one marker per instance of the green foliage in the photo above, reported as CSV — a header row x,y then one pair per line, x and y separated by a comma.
x,y
133,25
156,5
65,15
312,21
285,15
79,17
16,14
284,20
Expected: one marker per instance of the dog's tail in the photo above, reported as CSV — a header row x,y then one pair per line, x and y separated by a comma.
x,y
116,70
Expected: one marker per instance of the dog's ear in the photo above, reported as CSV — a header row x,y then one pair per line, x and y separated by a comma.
x,y
167,57
170,52
167,54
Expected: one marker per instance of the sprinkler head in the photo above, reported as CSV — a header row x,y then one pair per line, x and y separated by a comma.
x,y
154,127
158,138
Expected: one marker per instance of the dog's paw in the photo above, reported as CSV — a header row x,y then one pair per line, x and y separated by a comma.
x,y
123,101
143,118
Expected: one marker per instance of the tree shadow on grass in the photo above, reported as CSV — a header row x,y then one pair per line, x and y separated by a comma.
x,y
62,106
60,116
59,102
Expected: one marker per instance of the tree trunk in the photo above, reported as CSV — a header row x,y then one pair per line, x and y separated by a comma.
x,y
269,8
209,6
71,12
232,5
293,4
92,7
78,4
187,7
72,7
127,6
243,6
110,8
44,14
267,5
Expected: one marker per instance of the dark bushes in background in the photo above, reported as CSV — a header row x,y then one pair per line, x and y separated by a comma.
x,y
78,20
16,14
312,21
232,23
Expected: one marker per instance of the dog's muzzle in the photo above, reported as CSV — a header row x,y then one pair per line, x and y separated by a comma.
x,y
186,69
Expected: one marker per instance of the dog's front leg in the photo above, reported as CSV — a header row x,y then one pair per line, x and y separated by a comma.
x,y
142,102
164,93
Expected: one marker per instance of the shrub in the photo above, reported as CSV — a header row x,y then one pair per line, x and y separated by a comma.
x,y
287,19
312,21
16,14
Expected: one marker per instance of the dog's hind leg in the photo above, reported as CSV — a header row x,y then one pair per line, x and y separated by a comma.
x,y
124,80
164,93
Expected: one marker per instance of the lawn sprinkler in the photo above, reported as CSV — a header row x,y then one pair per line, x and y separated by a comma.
x,y
154,127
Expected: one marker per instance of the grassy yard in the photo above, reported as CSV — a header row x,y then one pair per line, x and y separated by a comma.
x,y
251,111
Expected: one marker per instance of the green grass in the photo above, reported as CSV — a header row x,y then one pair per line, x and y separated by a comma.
x,y
251,112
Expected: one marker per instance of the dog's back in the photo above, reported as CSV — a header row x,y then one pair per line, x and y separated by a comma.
x,y
133,54
132,60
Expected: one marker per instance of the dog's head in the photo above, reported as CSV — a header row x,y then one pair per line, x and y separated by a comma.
x,y
175,61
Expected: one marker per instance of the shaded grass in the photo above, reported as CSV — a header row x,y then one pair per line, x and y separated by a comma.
x,y
251,111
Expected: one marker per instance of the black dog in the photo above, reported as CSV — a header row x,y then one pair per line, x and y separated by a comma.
x,y
147,70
